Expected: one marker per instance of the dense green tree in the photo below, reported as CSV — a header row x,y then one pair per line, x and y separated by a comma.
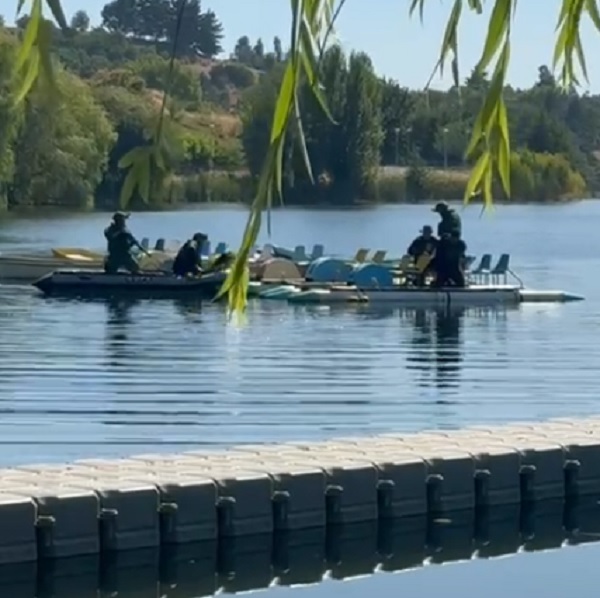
x,y
200,34
80,21
182,82
243,50
62,147
10,116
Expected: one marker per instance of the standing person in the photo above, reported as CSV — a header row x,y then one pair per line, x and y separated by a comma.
x,y
449,261
120,242
450,222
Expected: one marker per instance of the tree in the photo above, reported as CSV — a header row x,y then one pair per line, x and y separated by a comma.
x,y
80,21
182,83
398,106
120,16
10,115
61,150
362,121
143,19
277,49
243,50
211,35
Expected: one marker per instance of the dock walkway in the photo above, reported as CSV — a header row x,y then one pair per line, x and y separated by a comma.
x,y
96,506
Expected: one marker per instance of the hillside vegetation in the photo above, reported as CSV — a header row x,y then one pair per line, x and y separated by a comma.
x,y
387,142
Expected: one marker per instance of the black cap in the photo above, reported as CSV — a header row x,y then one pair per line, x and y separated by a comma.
x,y
440,206
121,215
426,229
199,237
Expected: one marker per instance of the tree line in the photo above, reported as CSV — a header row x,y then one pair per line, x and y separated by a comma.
x,y
421,136
383,142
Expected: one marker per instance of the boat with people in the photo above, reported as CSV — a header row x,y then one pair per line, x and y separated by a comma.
x,y
76,283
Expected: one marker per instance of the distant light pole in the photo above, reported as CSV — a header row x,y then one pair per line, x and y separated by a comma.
x,y
409,143
397,132
445,132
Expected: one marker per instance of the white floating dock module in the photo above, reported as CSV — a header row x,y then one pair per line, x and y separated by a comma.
x,y
96,506
474,296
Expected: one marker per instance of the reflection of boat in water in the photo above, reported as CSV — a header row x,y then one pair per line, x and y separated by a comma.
x,y
147,284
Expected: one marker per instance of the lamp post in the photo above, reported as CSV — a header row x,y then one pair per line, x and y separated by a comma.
x,y
397,132
445,132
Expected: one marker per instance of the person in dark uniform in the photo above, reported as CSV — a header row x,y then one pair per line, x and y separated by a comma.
x,y
188,260
449,261
120,242
450,222
423,245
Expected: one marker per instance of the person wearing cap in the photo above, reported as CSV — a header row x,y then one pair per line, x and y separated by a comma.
x,y
424,243
450,222
120,242
188,261
422,250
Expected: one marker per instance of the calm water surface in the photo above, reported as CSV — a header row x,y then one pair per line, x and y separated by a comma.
x,y
99,378
89,379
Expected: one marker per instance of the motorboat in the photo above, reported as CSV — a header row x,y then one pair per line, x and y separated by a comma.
x,y
152,284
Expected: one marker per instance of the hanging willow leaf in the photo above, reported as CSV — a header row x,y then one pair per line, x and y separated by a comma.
x,y
312,21
58,14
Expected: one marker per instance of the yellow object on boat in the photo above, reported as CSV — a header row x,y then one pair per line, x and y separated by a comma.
x,y
423,261
77,254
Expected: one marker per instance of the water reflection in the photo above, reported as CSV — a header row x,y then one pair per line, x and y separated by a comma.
x,y
307,557
118,319
436,354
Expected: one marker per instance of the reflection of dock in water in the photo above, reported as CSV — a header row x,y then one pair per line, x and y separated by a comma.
x,y
302,558
437,341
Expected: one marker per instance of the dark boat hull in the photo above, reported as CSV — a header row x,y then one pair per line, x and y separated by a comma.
x,y
155,285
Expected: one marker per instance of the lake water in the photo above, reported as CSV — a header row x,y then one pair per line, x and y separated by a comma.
x,y
108,379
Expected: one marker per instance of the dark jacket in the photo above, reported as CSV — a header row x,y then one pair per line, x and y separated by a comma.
x,y
450,224
120,240
187,260
422,245
450,252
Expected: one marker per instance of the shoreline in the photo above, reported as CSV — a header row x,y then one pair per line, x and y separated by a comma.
x,y
56,211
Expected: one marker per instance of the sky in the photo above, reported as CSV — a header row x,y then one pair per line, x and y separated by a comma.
x,y
401,48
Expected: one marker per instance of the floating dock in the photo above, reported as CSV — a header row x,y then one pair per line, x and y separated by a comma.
x,y
306,558
474,296
96,506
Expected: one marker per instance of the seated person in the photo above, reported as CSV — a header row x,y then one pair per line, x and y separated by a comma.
x,y
422,249
188,261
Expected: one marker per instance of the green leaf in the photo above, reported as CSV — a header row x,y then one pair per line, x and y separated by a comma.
x,y
482,164
33,67
497,28
131,156
128,188
504,148
30,36
143,178
57,13
284,101
302,142
592,9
